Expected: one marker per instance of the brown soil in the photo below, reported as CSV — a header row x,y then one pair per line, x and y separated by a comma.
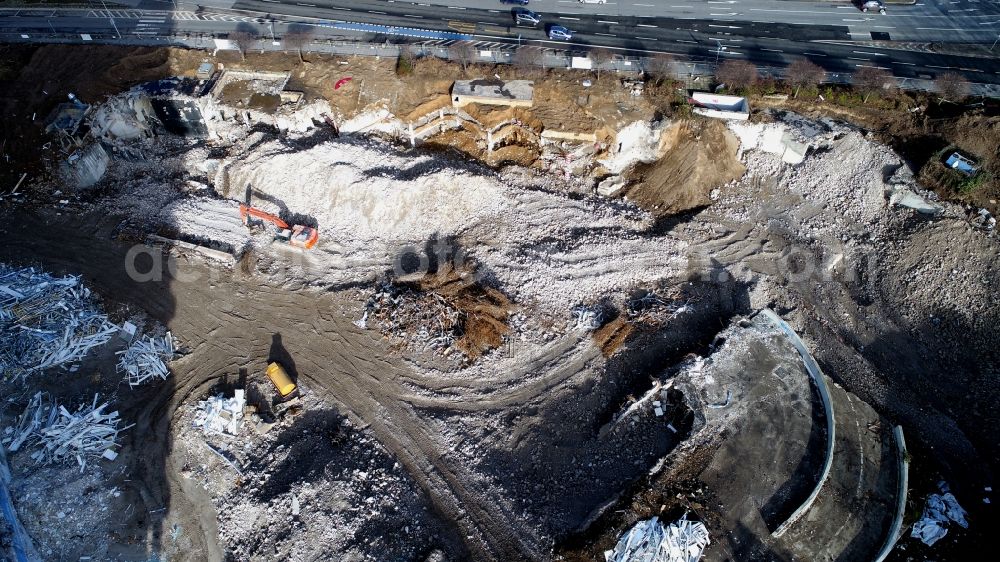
x,y
700,156
485,309
611,336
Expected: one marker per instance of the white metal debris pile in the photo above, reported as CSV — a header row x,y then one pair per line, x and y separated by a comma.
x,y
652,308
146,358
423,318
650,541
940,510
221,415
46,321
59,435
587,318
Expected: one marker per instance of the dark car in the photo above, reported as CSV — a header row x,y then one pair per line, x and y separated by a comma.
x,y
520,2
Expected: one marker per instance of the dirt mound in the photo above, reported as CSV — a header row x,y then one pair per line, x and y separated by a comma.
x,y
442,310
484,309
700,156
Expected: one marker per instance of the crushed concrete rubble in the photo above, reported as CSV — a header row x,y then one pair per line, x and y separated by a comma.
x,y
146,358
218,414
650,541
46,321
939,512
318,488
58,435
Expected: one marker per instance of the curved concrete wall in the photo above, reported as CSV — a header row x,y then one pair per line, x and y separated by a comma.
x,y
824,392
903,486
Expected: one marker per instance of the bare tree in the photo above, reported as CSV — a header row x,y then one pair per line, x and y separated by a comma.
x,y
870,80
464,53
661,67
601,57
736,74
297,38
953,87
528,59
407,61
243,39
803,73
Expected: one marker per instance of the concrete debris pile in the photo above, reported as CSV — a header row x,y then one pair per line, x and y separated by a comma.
x,y
424,319
46,321
59,435
146,358
650,541
218,414
940,510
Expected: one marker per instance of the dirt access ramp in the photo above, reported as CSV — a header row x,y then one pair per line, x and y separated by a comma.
x,y
699,155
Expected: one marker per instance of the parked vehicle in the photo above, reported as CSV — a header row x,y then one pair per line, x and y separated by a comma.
x,y
560,33
519,2
524,16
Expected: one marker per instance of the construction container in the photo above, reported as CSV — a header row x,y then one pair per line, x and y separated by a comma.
x,y
280,378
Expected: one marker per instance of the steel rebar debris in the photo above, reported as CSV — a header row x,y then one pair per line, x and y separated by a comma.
x,y
46,321
588,318
59,435
146,358
218,414
650,541
424,318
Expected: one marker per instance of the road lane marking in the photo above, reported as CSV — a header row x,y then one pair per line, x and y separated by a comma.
x,y
868,53
644,25
772,50
605,21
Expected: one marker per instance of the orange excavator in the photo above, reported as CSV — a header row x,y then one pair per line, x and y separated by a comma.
x,y
299,236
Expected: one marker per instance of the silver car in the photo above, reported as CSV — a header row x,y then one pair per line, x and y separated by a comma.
x,y
526,17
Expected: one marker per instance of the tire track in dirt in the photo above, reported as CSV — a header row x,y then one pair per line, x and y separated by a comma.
x,y
218,316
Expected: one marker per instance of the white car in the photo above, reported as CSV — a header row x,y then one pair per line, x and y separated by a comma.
x,y
593,1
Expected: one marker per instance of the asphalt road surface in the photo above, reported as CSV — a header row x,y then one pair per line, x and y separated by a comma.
x,y
835,35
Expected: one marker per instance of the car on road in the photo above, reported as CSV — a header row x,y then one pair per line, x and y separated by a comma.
x,y
559,32
873,5
522,15
593,1
521,2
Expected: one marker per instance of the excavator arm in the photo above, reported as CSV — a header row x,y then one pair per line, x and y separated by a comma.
x,y
299,236
246,211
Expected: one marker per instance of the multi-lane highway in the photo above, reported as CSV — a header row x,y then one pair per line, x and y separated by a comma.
x,y
835,35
